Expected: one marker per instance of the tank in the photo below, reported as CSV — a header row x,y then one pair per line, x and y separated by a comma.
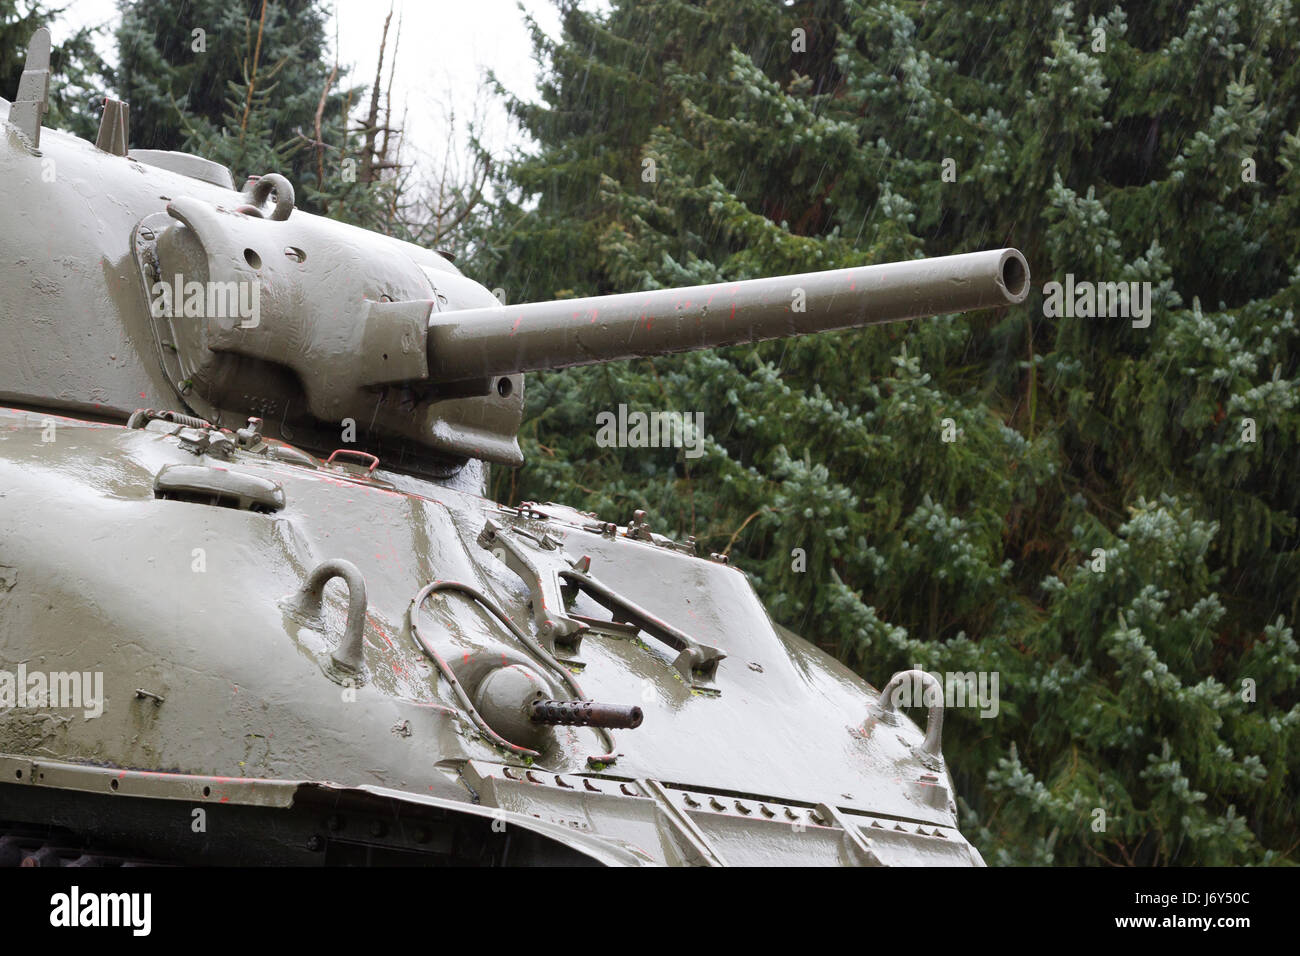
x,y
256,608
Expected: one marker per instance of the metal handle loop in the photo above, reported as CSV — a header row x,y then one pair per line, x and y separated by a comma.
x,y
261,192
934,718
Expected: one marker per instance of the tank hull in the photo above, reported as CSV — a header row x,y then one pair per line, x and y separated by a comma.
x,y
215,692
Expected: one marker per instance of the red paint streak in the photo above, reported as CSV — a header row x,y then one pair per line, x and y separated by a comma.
x,y
382,632
516,325
434,707
733,312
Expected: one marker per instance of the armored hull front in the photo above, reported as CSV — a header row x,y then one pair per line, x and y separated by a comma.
x,y
216,691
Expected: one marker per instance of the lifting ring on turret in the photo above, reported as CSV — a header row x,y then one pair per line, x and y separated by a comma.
x,y
307,603
261,192
372,460
931,750
534,649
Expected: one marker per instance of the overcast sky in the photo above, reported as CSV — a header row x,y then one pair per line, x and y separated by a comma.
x,y
446,45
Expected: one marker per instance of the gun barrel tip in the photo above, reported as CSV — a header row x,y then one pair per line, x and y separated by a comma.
x,y
1014,276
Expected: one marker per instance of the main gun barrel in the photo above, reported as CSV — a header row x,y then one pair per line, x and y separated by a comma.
x,y
480,343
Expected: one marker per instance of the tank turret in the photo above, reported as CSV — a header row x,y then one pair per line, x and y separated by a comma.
x,y
175,289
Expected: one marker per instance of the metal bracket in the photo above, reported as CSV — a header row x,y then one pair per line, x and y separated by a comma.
x,y
555,628
858,840
696,662
113,126
33,100
683,826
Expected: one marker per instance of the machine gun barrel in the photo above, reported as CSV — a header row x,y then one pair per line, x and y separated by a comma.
x,y
473,344
584,713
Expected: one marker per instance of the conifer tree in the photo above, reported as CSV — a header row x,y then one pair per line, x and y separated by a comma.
x,y
78,75
250,85
1101,510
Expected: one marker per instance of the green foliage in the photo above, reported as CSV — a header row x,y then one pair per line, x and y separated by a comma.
x,y
245,93
77,74
1101,534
